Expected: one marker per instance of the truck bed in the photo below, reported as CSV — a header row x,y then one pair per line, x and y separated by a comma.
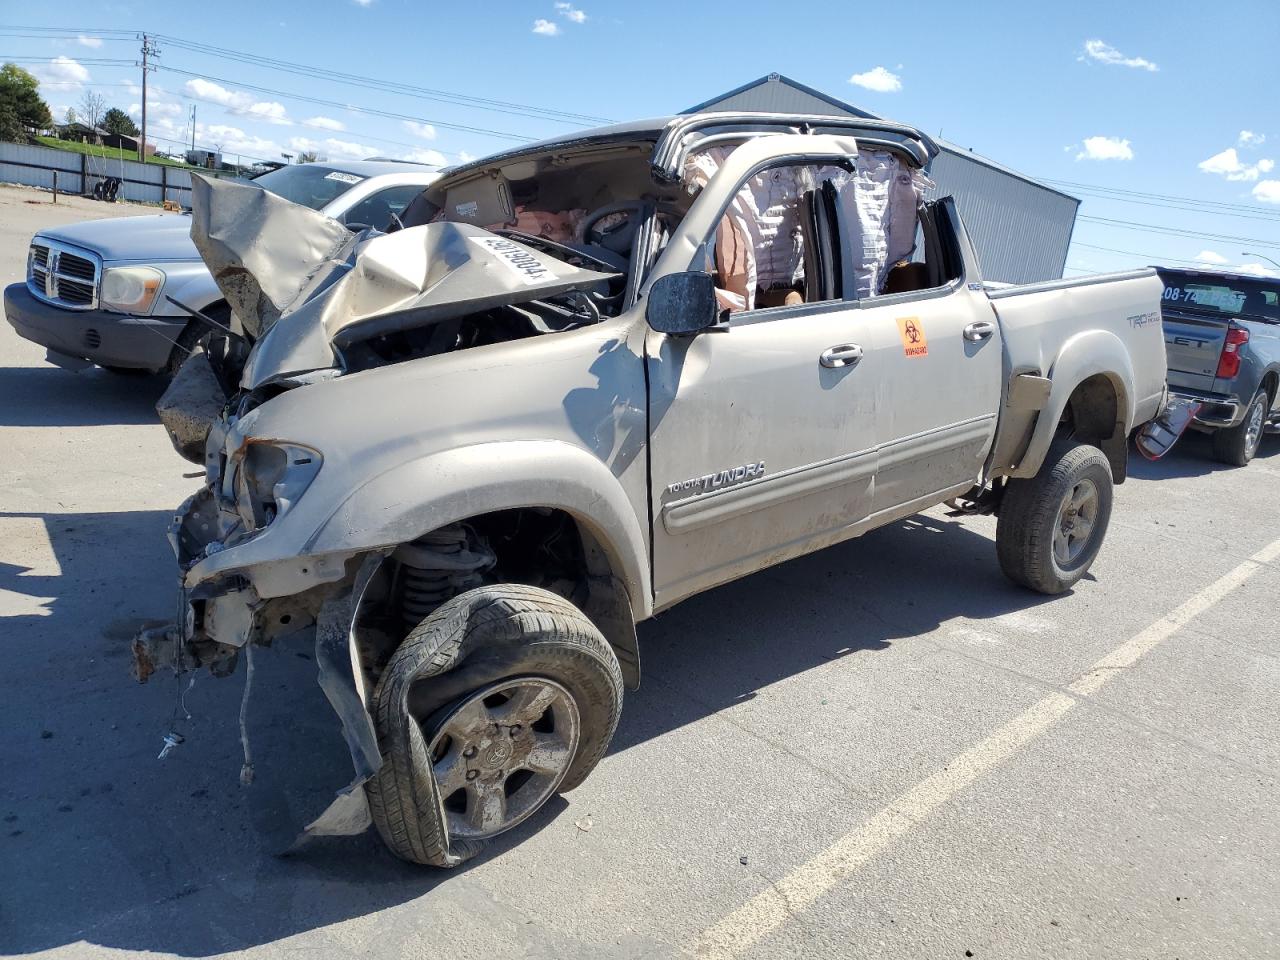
x,y
1069,330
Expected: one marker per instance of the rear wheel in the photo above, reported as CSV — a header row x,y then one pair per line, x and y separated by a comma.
x,y
1237,445
503,697
1052,525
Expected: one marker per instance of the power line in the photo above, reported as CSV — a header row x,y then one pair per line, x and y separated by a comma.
x,y
360,134
310,71
503,134
1178,231
92,61
1150,257
424,93
1263,215
1195,201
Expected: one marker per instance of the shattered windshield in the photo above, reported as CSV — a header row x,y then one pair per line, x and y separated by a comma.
x,y
310,184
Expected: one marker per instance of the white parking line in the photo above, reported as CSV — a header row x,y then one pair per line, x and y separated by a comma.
x,y
799,889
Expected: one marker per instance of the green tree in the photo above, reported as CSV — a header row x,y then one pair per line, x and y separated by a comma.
x,y
117,121
20,102
10,128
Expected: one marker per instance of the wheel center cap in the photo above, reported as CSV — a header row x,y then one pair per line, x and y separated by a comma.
x,y
498,753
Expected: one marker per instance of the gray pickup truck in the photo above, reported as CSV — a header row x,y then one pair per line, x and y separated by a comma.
x,y
1222,336
474,453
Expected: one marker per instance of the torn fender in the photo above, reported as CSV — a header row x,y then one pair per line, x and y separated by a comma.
x,y
342,680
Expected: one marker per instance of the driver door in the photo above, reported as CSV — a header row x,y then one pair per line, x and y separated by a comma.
x,y
762,432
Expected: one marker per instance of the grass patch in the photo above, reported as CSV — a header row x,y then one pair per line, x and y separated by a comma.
x,y
107,153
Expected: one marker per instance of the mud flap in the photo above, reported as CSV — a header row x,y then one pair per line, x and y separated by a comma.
x,y
340,678
1157,437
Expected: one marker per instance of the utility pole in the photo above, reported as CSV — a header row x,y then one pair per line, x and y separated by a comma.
x,y
193,128
148,50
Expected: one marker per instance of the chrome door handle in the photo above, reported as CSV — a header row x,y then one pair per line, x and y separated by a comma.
x,y
979,330
841,355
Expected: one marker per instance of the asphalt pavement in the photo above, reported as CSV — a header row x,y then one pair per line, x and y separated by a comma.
x,y
880,750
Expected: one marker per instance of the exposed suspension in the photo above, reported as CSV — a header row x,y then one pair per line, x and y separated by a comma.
x,y
439,566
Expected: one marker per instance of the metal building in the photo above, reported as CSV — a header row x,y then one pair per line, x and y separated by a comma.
x,y
1021,228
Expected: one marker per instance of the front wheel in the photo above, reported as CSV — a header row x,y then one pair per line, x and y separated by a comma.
x,y
500,699
1052,525
1237,445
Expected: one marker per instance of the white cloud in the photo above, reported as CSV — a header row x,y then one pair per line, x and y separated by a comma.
x,y
433,157
1105,148
1103,52
363,3
331,148
234,142
570,12
464,157
62,72
1268,191
878,79
156,109
92,42
1212,257
424,130
325,123
1228,164
545,28
1250,139
238,102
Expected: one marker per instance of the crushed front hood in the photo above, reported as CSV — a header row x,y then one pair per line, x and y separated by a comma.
x,y
302,284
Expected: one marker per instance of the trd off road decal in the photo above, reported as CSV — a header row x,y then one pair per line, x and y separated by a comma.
x,y
521,262
914,342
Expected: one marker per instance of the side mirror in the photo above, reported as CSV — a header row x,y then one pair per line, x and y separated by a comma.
x,y
682,304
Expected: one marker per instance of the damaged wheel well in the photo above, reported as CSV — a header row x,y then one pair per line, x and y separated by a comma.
x,y
1093,415
535,546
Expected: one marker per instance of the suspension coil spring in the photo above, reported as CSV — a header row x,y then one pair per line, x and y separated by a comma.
x,y
438,566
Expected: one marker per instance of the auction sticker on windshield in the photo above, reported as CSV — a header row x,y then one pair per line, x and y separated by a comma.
x,y
342,177
519,260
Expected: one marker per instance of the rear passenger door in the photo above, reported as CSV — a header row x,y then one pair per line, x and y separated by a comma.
x,y
940,379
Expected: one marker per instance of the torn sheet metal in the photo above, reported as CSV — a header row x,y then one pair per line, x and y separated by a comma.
x,y
343,684
299,281
190,404
261,249
1158,436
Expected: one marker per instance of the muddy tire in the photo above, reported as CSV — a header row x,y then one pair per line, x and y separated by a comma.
x,y
1237,445
500,699
1052,525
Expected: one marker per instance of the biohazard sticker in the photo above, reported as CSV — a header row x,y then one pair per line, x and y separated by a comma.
x,y
914,342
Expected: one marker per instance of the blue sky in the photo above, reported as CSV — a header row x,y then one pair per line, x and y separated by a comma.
x,y
1172,99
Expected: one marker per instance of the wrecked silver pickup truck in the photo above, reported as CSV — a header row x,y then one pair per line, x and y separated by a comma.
x,y
588,379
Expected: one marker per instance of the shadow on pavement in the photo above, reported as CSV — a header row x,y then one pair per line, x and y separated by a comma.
x,y
101,843
1192,456
49,396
